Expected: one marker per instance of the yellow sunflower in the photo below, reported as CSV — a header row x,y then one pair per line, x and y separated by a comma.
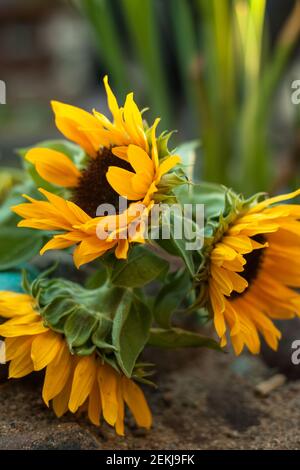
x,y
71,382
123,162
253,267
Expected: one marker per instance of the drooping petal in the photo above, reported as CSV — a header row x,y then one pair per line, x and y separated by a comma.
x,y
45,348
107,380
55,167
57,374
135,399
83,380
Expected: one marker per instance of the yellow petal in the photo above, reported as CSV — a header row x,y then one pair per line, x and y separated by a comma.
x,y
112,101
22,365
140,160
55,167
223,252
94,407
133,121
26,325
218,305
120,181
141,183
17,346
45,348
167,165
122,249
121,410
71,122
273,200
135,399
238,282
154,151
241,244
90,249
60,401
107,380
56,243
57,374
84,376
13,304
120,152
222,279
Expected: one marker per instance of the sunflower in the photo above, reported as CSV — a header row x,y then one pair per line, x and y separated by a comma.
x,y
254,266
71,382
123,162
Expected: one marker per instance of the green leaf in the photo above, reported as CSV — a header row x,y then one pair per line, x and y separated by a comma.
x,y
177,244
210,194
141,267
170,297
18,246
177,338
96,279
130,332
14,197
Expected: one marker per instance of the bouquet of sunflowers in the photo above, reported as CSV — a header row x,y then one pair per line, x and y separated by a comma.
x,y
157,250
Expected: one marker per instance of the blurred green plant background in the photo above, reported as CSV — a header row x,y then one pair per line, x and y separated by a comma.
x,y
218,71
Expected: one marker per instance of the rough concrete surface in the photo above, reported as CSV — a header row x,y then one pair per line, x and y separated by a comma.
x,y
204,400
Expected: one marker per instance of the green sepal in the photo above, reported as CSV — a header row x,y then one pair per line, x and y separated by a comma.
x,y
79,327
110,320
167,184
83,316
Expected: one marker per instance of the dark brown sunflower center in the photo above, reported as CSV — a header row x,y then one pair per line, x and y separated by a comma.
x,y
93,188
253,263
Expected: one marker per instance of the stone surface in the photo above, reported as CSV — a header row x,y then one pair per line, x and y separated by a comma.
x,y
204,400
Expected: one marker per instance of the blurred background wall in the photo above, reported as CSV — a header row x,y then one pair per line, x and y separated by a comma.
x,y
218,71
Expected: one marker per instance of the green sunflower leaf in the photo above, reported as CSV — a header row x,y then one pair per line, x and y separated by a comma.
x,y
18,246
212,195
130,331
177,244
141,267
177,338
170,297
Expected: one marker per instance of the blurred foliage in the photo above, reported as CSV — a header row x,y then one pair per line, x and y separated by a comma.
x,y
228,71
